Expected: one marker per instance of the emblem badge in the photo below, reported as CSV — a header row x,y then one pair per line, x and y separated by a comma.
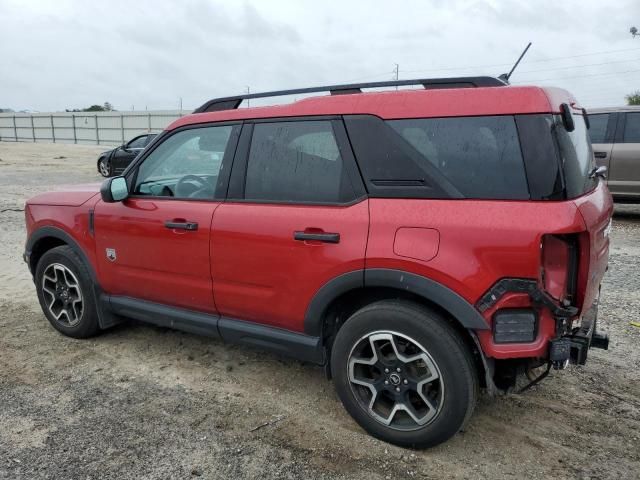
x,y
111,254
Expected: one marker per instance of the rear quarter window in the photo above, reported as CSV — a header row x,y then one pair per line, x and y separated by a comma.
x,y
462,157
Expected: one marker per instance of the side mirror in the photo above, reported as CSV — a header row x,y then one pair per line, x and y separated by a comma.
x,y
114,189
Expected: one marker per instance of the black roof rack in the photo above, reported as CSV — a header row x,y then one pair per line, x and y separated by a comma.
x,y
231,103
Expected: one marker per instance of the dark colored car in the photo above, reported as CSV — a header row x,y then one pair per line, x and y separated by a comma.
x,y
113,162
419,244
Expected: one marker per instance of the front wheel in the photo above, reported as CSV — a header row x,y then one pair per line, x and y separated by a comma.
x,y
104,167
64,288
404,374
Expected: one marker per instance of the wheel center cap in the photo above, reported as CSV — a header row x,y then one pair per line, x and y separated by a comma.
x,y
394,379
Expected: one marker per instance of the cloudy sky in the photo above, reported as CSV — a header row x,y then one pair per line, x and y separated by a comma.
x,y
71,54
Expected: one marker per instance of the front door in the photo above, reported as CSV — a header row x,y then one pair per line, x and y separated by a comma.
x,y
155,245
297,219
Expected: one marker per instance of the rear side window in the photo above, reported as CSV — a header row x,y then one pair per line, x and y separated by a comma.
x,y
462,157
632,128
296,162
598,127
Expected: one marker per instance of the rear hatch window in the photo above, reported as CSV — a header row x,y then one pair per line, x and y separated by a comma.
x,y
576,156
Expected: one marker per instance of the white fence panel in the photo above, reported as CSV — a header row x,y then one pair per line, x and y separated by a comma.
x,y
98,128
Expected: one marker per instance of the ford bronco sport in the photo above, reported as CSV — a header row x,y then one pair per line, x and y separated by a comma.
x,y
421,244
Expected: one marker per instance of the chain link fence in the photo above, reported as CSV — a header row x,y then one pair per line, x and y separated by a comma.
x,y
87,128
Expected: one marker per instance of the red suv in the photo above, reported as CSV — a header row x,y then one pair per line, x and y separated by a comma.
x,y
421,244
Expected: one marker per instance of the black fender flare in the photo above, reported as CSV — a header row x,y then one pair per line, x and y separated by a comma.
x,y
432,291
56,232
105,319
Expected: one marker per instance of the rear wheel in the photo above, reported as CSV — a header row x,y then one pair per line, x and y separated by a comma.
x,y
65,293
404,374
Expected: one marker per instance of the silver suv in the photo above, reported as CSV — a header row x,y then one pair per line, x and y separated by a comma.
x,y
615,134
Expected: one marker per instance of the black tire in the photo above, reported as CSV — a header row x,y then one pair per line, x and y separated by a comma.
x,y
442,344
82,322
107,171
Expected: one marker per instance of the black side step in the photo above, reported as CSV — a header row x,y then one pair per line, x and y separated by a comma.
x,y
302,347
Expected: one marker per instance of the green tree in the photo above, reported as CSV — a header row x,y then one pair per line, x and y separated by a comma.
x,y
94,108
633,98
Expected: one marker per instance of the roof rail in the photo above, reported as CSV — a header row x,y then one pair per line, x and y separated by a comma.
x,y
231,103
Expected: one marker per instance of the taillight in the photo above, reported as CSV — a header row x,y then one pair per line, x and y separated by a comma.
x,y
559,264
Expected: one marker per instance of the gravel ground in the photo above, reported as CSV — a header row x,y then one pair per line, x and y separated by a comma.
x,y
140,401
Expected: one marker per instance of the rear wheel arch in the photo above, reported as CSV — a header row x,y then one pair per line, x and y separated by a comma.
x,y
341,297
387,283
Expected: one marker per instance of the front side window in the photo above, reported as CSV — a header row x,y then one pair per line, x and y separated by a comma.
x,y
632,128
296,162
598,127
185,165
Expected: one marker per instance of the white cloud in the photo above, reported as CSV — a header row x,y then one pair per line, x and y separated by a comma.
x,y
64,54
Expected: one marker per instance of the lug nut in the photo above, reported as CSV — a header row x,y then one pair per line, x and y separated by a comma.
x,y
398,370
405,381
386,382
397,389
386,370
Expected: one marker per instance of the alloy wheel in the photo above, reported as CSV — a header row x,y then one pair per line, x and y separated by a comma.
x,y
395,380
62,294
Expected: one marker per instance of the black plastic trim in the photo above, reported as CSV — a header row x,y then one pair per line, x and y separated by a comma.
x,y
457,306
314,317
296,345
306,348
230,103
528,286
166,316
430,290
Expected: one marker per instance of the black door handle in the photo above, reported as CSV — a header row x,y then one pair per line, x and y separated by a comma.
x,y
181,225
318,237
600,154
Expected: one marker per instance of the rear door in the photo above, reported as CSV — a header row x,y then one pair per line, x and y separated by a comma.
x,y
296,217
624,174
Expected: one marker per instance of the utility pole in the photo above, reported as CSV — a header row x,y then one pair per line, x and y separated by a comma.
x,y
396,71
248,92
180,103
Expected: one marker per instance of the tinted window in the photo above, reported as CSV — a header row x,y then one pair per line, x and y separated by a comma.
x,y
296,162
139,142
185,165
598,127
479,156
632,128
576,156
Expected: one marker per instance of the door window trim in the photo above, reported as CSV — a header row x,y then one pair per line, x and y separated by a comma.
x,y
238,179
131,173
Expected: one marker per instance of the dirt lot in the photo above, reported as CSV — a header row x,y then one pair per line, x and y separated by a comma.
x,y
140,401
